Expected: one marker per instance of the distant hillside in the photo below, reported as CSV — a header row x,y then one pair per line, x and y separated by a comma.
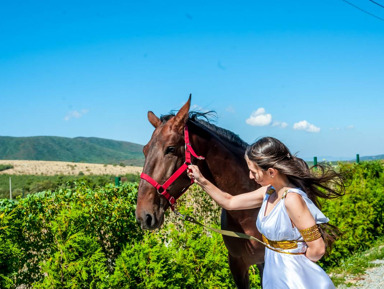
x,y
79,149
344,159
372,158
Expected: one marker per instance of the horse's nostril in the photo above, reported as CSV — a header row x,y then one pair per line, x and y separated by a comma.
x,y
148,220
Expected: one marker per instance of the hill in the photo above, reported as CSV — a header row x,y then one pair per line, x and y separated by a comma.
x,y
79,149
372,158
343,159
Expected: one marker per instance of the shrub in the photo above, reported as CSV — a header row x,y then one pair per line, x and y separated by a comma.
x,y
10,250
77,259
4,167
187,259
359,213
102,215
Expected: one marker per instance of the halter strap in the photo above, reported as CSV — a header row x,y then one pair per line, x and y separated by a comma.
x,y
162,189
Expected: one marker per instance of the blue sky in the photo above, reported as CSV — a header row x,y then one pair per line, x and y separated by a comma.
x,y
310,73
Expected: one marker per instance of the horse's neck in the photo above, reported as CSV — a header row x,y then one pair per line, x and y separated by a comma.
x,y
224,166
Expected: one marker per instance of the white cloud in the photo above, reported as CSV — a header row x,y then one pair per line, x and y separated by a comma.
x,y
305,125
75,114
281,124
259,118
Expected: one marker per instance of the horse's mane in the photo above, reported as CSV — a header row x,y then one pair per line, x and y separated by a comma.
x,y
202,120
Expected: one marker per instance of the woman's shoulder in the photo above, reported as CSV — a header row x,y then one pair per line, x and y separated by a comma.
x,y
294,199
299,202
298,191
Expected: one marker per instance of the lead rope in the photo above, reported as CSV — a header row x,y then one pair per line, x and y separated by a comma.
x,y
232,233
222,232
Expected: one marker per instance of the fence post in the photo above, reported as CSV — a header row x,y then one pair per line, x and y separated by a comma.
x,y
357,158
10,188
117,181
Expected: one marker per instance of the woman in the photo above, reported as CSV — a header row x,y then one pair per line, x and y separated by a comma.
x,y
289,217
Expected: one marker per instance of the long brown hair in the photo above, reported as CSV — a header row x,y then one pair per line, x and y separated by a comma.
x,y
321,182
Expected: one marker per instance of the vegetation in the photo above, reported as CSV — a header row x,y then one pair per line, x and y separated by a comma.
x,y
360,213
5,167
86,236
372,158
351,268
79,149
23,185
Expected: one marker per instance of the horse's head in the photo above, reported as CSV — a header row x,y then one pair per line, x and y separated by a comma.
x,y
164,154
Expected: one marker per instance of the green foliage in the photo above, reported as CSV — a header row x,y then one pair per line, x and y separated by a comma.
x,y
359,213
10,251
30,184
5,167
77,258
42,225
190,259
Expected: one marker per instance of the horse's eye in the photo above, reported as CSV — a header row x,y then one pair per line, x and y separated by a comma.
x,y
170,150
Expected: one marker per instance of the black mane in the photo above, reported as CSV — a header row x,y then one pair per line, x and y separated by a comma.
x,y
202,120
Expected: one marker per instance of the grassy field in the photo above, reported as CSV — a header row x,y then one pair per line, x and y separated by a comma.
x,y
34,176
52,168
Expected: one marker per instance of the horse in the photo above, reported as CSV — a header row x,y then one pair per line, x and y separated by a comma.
x,y
167,155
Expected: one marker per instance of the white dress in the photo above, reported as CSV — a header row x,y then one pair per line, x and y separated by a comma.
x,y
284,270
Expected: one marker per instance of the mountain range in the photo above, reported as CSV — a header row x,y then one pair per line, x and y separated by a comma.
x,y
78,149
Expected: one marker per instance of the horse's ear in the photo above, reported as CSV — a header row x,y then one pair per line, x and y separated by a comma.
x,y
153,119
181,117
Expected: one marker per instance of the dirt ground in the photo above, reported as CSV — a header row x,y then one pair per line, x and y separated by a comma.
x,y
50,168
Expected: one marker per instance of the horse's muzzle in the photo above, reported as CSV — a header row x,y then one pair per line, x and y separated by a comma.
x,y
150,221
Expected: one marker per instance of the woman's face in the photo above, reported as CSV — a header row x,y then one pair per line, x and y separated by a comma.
x,y
256,173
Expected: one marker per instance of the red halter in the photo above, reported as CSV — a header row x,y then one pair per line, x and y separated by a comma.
x,y
162,189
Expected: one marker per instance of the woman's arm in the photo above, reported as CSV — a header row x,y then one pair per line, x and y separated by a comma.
x,y
302,218
244,201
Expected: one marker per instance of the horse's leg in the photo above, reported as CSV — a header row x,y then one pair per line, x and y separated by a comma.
x,y
240,272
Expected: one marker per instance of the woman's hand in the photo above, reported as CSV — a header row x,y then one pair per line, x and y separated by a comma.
x,y
194,173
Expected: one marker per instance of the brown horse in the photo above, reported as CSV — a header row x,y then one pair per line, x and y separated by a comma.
x,y
224,166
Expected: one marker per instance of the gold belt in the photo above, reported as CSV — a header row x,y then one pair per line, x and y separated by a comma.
x,y
277,246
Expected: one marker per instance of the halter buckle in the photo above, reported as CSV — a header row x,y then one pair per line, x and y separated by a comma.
x,y
172,200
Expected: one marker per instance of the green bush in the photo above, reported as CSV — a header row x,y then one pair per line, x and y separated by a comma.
x,y
186,259
104,215
359,213
10,251
77,259
4,167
